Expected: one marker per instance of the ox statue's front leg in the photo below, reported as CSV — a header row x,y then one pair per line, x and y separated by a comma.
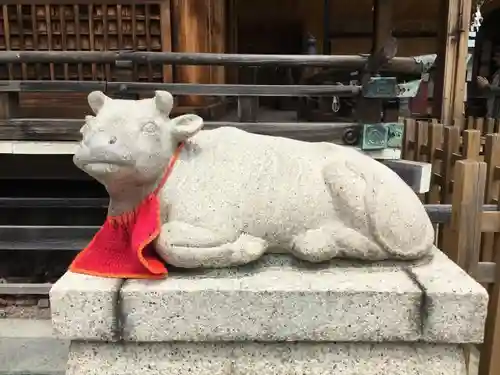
x,y
187,246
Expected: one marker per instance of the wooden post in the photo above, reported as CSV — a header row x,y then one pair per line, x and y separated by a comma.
x,y
449,87
489,363
124,72
9,105
248,108
232,72
382,23
370,111
467,206
492,159
166,40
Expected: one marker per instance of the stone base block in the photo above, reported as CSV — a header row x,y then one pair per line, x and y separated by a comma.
x,y
278,299
276,316
265,359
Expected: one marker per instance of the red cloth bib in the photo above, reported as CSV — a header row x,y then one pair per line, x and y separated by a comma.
x,y
123,246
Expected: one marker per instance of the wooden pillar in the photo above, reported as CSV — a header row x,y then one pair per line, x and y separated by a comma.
x,y
369,111
309,11
199,27
9,105
450,74
166,40
382,23
232,26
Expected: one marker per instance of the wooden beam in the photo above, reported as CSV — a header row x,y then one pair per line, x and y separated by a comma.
x,y
178,88
404,65
35,129
485,272
490,222
416,174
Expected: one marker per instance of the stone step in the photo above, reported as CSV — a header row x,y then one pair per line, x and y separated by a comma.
x,y
265,358
28,347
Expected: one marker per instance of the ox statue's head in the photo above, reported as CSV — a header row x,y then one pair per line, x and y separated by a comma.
x,y
131,141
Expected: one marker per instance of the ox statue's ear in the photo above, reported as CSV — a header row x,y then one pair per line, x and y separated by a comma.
x,y
164,102
185,126
96,100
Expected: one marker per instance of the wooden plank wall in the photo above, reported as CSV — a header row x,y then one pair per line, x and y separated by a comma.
x,y
153,25
84,26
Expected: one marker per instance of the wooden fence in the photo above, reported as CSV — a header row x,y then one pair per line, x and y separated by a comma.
x,y
466,173
443,146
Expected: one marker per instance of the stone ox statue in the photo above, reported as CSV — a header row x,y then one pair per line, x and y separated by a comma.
x,y
233,195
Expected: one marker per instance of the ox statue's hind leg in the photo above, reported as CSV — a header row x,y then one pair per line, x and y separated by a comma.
x,y
376,217
334,240
187,246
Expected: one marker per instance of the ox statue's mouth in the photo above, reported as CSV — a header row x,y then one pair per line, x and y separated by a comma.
x,y
100,158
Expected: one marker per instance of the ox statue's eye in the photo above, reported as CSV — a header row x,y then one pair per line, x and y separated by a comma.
x,y
149,128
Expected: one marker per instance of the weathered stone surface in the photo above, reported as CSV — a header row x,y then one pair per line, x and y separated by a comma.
x,y
265,359
282,299
455,304
233,195
275,301
83,307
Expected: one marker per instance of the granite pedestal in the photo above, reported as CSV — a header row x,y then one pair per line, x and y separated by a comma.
x,y
278,316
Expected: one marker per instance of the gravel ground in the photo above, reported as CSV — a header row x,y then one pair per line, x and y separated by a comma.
x,y
24,308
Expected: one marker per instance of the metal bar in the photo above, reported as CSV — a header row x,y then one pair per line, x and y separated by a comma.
x,y
341,62
181,88
35,237
7,202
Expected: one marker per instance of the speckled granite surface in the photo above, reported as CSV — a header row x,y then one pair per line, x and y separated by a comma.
x,y
279,299
277,316
265,359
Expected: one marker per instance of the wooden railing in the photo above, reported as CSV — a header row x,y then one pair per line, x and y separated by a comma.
x,y
13,127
